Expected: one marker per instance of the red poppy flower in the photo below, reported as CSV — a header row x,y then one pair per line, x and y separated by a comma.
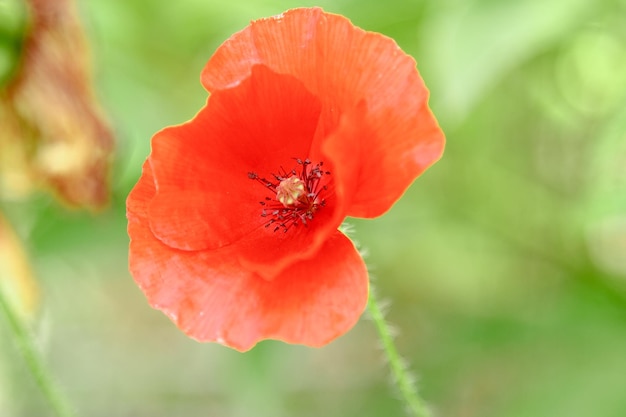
x,y
234,221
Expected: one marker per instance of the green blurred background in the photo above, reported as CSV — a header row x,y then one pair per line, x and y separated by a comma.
x,y
504,264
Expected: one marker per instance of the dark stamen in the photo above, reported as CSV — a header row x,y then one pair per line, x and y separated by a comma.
x,y
295,195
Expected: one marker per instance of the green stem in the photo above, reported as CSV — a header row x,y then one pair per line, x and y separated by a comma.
x,y
26,344
402,378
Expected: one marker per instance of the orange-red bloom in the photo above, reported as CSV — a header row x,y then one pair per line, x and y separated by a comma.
x,y
234,221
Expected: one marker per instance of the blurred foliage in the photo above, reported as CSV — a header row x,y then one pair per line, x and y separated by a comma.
x,y
53,133
17,283
505,263
13,23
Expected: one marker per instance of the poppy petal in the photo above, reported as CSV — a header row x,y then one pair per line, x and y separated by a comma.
x,y
205,198
294,39
381,153
345,66
312,302
268,251
211,298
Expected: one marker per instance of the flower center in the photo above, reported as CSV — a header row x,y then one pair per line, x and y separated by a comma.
x,y
291,192
296,195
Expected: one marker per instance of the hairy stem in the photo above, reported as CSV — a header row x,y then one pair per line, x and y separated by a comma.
x,y
402,378
26,345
